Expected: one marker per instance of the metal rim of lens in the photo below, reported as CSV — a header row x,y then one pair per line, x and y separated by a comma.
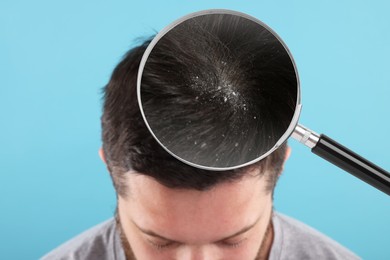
x,y
164,31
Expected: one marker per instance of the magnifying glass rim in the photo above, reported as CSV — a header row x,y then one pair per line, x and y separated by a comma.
x,y
169,27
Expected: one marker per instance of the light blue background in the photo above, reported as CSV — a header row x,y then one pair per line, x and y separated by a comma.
x,y
56,55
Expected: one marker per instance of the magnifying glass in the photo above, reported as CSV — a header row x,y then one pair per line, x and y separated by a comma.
x,y
219,90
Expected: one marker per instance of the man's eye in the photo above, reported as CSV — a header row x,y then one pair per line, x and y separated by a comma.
x,y
232,244
160,245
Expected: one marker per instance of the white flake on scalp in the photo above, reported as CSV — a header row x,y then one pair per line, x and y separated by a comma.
x,y
223,91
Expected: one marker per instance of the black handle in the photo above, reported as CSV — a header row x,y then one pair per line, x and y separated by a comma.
x,y
349,161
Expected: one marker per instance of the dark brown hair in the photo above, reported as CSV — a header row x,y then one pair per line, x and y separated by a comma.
x,y
127,143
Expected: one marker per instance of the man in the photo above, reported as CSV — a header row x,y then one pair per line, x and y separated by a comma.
x,y
168,209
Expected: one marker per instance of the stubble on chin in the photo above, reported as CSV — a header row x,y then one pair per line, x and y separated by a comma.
x,y
266,243
129,255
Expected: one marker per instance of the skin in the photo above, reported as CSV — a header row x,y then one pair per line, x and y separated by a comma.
x,y
229,221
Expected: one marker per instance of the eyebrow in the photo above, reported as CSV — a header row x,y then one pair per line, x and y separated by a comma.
x,y
241,231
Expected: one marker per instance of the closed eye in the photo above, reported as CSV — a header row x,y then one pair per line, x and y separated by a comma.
x,y
232,244
161,245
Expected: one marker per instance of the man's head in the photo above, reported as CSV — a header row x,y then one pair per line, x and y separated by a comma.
x,y
168,208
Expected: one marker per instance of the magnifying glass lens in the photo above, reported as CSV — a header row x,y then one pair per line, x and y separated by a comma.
x,y
218,90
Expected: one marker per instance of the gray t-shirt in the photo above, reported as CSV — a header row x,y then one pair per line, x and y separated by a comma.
x,y
292,240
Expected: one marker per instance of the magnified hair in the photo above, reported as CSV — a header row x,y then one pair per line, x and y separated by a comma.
x,y
218,90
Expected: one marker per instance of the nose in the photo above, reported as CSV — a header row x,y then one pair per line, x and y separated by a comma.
x,y
198,253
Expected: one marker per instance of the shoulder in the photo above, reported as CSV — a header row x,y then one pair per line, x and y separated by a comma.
x,y
99,242
296,240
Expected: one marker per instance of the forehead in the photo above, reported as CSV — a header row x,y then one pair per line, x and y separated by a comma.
x,y
183,213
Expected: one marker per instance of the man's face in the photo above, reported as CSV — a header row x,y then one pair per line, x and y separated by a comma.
x,y
228,221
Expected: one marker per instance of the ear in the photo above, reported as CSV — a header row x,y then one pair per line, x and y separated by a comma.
x,y
101,154
286,156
